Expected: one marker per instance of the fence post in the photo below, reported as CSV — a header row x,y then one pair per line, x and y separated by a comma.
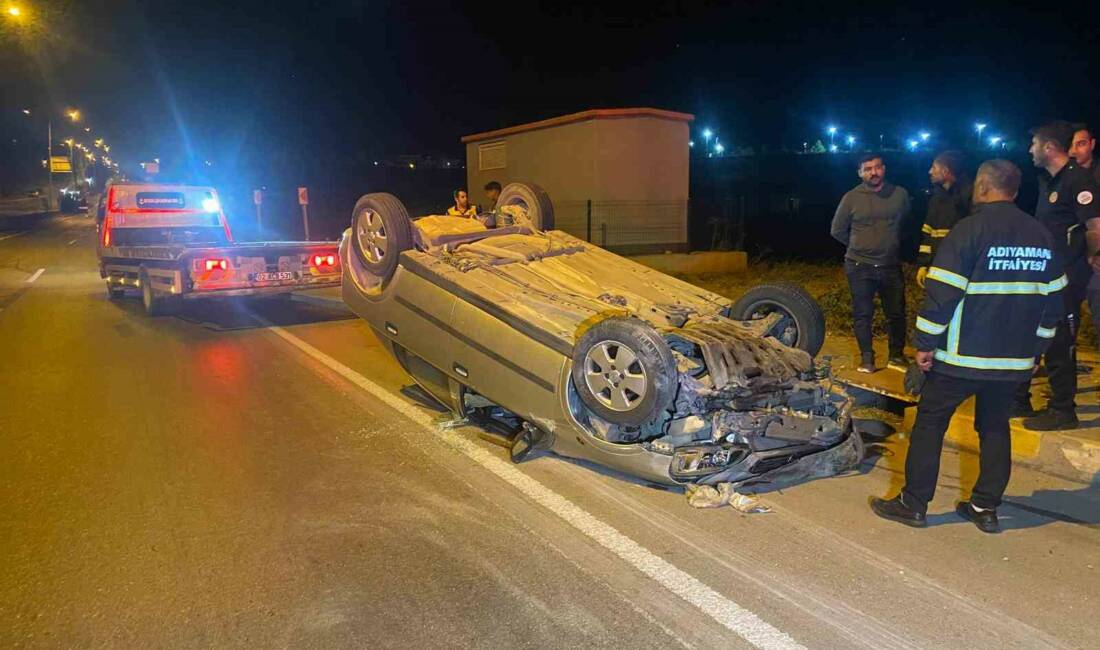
x,y
603,234
588,227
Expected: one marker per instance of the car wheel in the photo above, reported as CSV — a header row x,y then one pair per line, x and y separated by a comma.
x,y
624,371
540,211
113,292
803,323
380,229
155,305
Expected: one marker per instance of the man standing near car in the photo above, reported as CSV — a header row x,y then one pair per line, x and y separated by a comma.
x,y
461,207
948,202
1069,206
991,303
492,193
868,222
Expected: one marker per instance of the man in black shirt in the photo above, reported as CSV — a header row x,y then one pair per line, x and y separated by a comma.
x,y
1082,150
948,202
1069,206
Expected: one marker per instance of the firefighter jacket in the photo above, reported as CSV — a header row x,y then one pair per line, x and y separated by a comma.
x,y
992,295
945,209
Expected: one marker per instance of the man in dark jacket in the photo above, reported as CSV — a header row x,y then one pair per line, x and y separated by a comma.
x,y
1069,206
948,202
991,304
868,221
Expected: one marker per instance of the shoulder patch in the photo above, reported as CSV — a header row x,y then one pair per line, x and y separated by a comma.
x,y
1084,198
1053,198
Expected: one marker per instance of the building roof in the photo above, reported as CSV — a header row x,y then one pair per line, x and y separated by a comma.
x,y
583,116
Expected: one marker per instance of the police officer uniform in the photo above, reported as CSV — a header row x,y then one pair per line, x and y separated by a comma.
x,y
992,300
1067,201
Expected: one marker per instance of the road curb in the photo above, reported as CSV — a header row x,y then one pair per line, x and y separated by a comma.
x,y
1073,455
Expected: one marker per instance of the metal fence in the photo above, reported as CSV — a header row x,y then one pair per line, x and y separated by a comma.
x,y
626,225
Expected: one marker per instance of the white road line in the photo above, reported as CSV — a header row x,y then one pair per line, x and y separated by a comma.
x,y
729,614
71,243
14,234
37,274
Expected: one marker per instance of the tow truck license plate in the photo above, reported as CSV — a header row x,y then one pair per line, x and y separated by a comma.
x,y
268,277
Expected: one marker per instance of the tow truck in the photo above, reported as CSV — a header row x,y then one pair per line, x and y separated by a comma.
x,y
173,243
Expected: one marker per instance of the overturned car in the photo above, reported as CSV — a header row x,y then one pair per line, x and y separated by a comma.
x,y
564,346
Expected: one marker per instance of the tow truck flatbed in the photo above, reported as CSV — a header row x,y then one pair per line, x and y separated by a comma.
x,y
136,250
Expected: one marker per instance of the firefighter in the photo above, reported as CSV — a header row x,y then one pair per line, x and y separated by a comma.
x,y
1069,206
948,202
992,301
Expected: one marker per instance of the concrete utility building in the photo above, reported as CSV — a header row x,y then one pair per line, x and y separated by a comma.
x,y
617,177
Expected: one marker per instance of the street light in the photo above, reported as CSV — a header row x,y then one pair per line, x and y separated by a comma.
x,y
980,127
719,148
73,114
832,133
924,135
707,133
995,140
913,144
14,11
851,142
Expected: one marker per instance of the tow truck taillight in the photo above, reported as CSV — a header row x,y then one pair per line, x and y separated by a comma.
x,y
216,264
107,223
324,260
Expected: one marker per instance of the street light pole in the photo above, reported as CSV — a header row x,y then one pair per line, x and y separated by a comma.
x,y
49,164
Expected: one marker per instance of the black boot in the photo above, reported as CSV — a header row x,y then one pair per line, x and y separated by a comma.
x,y
1052,420
986,520
896,510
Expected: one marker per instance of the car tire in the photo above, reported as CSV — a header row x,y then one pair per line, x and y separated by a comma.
x,y
380,231
624,371
154,304
532,197
804,323
113,292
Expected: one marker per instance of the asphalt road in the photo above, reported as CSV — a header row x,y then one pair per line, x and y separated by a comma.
x,y
249,474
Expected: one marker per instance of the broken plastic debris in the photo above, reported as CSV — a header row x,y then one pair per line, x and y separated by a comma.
x,y
709,496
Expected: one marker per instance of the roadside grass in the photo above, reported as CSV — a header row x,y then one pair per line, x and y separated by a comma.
x,y
826,283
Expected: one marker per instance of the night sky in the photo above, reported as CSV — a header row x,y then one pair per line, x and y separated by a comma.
x,y
312,84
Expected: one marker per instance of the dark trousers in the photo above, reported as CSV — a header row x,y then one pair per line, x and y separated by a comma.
x,y
939,398
865,280
1060,361
1093,295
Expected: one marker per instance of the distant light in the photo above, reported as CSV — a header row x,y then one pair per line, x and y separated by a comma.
x,y
448,164
719,148
707,133
14,11
924,135
994,140
26,111
210,204
412,166
376,163
979,126
832,148
832,130
851,139
913,144
87,129
691,143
